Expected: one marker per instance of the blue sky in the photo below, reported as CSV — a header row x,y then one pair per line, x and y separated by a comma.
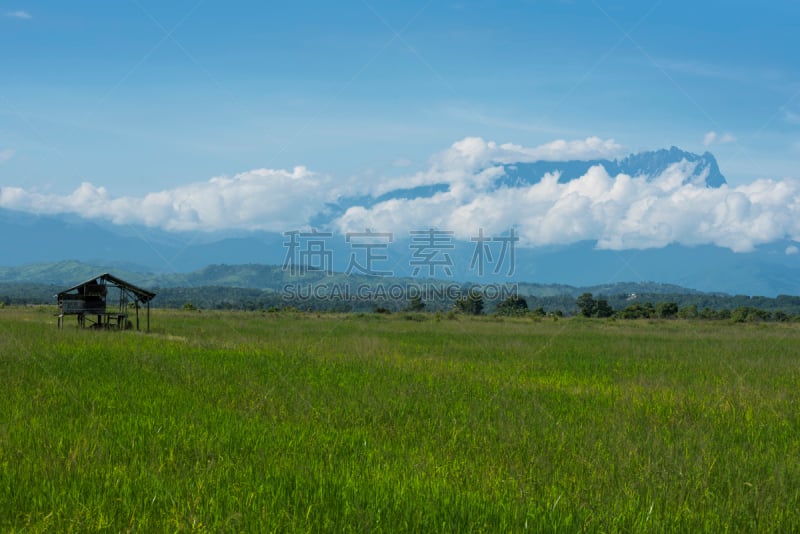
x,y
137,95
201,114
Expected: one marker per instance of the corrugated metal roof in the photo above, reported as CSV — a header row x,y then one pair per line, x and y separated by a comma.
x,y
142,294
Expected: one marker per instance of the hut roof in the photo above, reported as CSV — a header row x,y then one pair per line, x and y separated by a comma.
x,y
142,294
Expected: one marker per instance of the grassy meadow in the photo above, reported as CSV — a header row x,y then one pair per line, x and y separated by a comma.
x,y
260,422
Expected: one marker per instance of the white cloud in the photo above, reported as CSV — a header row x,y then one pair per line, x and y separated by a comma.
x,y
7,154
474,159
474,151
262,199
560,150
791,250
617,212
19,14
712,138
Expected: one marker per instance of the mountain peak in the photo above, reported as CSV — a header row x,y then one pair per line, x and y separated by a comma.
x,y
655,162
650,164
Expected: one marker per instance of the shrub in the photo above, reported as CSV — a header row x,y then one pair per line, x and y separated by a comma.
x,y
471,304
667,310
512,306
415,304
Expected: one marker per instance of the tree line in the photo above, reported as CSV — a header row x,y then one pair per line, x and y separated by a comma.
x,y
472,301
588,306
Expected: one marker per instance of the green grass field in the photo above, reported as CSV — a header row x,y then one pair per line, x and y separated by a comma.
x,y
296,422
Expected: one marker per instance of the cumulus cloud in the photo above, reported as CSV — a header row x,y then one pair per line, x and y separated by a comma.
x,y
618,212
19,14
712,138
465,158
474,151
791,250
561,150
262,199
615,211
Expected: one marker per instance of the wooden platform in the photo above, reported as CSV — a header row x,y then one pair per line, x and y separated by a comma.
x,y
108,321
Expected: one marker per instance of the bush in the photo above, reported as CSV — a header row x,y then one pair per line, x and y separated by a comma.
x,y
472,303
666,310
637,311
589,307
748,314
512,306
538,312
688,312
781,316
415,304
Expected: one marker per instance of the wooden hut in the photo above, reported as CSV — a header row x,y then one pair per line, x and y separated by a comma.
x,y
105,301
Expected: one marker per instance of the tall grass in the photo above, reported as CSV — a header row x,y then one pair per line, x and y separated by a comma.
x,y
274,422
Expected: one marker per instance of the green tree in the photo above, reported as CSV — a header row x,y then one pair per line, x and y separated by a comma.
x,y
666,310
603,309
739,315
708,313
781,316
471,303
415,304
749,314
587,306
688,312
513,306
637,311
